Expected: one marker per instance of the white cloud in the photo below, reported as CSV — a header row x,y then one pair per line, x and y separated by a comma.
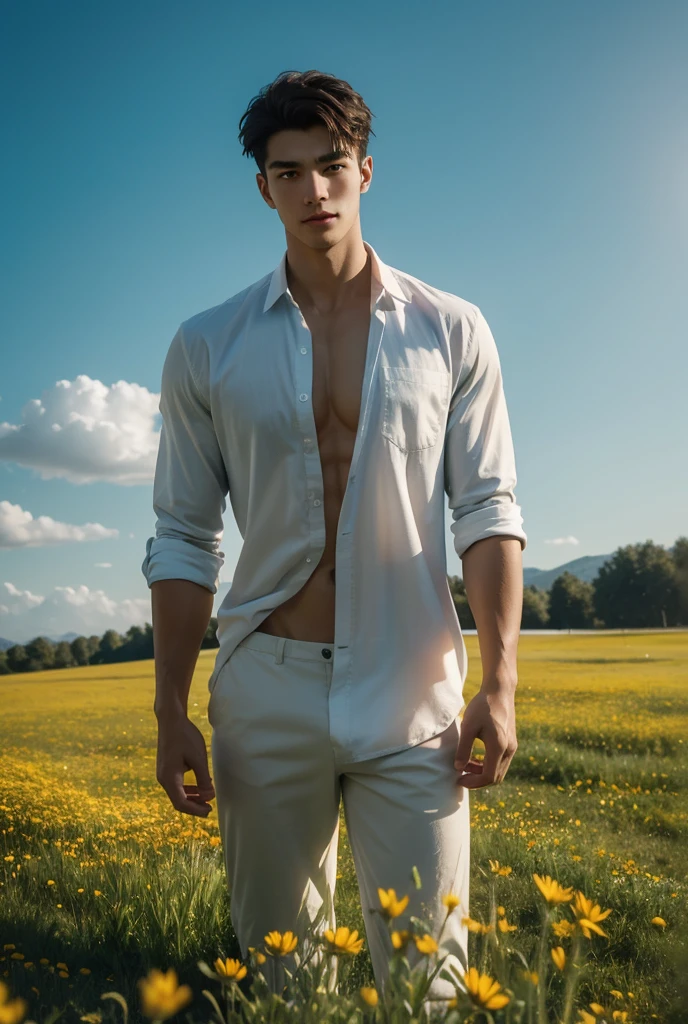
x,y
84,431
103,565
563,540
21,599
19,529
77,610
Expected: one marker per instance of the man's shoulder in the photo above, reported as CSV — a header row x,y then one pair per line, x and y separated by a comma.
x,y
221,315
426,294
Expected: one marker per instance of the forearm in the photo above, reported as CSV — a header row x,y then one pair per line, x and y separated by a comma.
x,y
493,578
181,612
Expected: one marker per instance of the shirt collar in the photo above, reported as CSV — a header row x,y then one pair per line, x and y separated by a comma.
x,y
382,276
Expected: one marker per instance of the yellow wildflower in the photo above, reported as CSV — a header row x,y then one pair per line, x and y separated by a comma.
x,y
559,957
11,1010
585,1017
551,890
369,995
621,1015
343,941
531,976
260,957
451,901
231,968
391,906
596,1008
504,925
476,926
588,915
280,945
425,944
615,992
400,940
161,994
484,991
659,921
497,870
563,929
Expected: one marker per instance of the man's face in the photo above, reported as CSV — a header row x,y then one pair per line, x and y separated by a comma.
x,y
312,185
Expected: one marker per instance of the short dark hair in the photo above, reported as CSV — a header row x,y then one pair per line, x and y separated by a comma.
x,y
300,100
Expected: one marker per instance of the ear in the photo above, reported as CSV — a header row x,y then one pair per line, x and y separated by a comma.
x,y
264,190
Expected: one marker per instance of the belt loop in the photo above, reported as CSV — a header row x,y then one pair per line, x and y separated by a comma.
x,y
279,649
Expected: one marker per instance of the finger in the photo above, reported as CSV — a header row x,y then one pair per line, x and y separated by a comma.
x,y
463,748
473,766
494,751
176,790
192,790
477,777
473,781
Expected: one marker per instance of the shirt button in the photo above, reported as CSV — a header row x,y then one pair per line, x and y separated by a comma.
x,y
303,398
326,652
303,351
308,559
317,501
306,440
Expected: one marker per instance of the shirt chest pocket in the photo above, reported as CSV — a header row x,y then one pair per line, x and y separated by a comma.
x,y
414,406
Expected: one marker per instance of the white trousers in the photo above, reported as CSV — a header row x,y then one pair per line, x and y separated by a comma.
x,y
278,793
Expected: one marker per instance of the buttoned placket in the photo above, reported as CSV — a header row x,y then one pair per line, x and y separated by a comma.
x,y
340,682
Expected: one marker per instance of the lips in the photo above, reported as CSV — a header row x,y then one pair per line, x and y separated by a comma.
x,y
325,216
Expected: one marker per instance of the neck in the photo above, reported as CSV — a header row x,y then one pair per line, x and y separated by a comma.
x,y
328,280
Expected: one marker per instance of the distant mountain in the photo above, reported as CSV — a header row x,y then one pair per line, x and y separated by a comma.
x,y
585,569
6,644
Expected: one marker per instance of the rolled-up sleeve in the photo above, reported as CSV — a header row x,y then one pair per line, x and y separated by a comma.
x,y
190,481
479,461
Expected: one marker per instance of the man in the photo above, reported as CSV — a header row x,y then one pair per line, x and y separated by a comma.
x,y
336,401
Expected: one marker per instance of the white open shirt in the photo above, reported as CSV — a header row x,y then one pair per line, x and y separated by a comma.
x,y
237,419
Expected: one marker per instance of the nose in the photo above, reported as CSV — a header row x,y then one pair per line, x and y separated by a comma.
x,y
316,190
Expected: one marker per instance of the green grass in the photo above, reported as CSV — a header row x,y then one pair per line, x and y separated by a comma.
x,y
595,796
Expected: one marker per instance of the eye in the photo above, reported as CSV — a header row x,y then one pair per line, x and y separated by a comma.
x,y
284,173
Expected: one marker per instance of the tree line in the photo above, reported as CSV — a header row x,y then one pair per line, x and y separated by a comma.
x,y
640,586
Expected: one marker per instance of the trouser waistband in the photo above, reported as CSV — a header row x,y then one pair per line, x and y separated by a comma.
x,y
282,647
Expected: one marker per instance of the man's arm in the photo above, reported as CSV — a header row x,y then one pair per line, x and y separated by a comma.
x,y
493,578
183,562
480,477
181,612
189,499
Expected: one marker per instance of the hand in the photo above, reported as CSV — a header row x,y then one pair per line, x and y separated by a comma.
x,y
181,748
491,717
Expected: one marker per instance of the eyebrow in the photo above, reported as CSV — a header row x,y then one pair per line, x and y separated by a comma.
x,y
336,154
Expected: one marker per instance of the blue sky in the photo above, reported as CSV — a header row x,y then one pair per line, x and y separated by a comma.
x,y
531,158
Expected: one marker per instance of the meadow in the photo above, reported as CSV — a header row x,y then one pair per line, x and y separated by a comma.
x,y
102,880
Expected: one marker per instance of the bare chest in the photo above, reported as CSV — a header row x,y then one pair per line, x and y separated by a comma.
x,y
340,346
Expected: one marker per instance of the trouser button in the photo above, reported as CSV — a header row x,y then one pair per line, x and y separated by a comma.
x,y
326,652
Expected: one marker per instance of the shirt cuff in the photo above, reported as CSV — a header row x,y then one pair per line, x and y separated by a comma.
x,y
493,521
168,558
